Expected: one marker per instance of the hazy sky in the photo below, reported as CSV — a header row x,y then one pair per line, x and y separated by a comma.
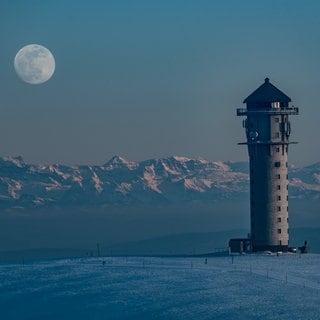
x,y
146,78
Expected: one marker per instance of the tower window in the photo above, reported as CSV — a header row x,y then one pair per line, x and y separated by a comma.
x,y
279,208
278,187
279,230
279,219
277,149
275,105
277,164
278,176
278,198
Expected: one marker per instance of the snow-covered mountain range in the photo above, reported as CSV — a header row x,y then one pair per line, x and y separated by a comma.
x,y
123,182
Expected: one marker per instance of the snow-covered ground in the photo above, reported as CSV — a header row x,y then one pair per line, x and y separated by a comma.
x,y
245,287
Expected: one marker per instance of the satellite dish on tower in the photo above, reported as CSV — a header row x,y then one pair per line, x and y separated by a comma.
x,y
253,135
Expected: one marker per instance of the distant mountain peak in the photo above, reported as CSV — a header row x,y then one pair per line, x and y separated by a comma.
x,y
17,161
120,162
180,159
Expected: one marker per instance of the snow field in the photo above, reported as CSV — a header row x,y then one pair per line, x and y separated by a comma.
x,y
242,287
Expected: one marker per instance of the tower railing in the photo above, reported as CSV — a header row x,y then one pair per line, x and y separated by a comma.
x,y
288,111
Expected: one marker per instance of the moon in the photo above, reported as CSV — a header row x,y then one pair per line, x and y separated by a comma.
x,y
34,64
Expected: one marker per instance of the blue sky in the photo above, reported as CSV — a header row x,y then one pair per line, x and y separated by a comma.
x,y
146,79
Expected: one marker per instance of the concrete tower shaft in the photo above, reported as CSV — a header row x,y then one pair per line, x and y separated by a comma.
x,y
268,130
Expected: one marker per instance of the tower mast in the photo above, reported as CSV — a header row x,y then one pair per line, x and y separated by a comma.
x,y
268,129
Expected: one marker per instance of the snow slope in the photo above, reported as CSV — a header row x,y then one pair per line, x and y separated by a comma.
x,y
247,287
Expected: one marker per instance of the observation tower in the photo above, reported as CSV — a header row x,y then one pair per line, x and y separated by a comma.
x,y
268,129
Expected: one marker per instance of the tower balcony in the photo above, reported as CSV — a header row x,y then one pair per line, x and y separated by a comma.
x,y
275,143
273,111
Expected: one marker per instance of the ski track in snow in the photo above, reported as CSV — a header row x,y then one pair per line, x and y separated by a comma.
x,y
247,287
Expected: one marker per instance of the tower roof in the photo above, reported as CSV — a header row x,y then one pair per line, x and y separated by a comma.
x,y
267,92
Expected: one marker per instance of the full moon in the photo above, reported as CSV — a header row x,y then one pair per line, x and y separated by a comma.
x,y
34,64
